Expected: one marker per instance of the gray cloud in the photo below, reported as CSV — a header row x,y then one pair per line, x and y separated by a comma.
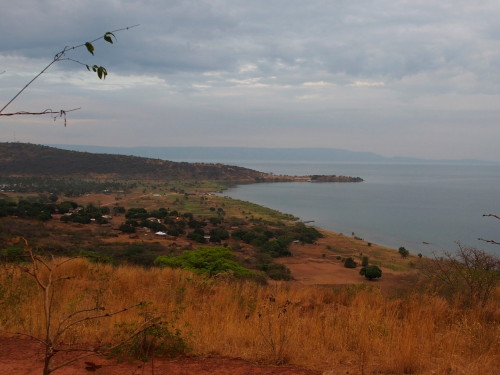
x,y
394,77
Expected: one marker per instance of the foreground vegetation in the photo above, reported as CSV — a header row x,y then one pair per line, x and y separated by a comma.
x,y
418,332
204,287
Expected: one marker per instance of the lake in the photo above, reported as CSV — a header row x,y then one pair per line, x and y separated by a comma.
x,y
423,207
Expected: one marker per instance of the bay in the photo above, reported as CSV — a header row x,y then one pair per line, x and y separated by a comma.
x,y
424,207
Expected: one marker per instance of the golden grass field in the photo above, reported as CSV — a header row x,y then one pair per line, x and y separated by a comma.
x,y
324,328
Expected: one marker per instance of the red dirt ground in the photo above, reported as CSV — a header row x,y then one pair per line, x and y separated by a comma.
x,y
20,356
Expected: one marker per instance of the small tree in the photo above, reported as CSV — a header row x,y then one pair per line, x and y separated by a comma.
x,y
350,263
403,252
48,275
371,272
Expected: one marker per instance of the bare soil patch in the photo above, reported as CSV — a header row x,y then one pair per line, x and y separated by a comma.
x,y
317,264
19,356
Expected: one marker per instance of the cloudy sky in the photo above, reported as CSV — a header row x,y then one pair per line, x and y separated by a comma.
x,y
400,78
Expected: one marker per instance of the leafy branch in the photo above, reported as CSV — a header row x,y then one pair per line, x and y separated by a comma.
x,y
63,56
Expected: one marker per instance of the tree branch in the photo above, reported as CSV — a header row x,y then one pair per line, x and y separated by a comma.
x,y
62,329
46,112
58,57
491,215
489,241
97,351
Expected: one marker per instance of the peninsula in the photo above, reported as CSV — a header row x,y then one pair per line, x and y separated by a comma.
x,y
25,159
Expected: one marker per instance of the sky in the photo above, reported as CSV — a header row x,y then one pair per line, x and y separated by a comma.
x,y
417,78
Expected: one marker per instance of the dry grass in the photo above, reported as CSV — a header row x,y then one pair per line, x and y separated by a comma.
x,y
318,328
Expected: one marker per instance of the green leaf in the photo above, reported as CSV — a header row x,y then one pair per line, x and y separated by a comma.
x,y
88,67
102,72
90,47
107,37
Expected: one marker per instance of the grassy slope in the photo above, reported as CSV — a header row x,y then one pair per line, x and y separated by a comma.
x,y
356,329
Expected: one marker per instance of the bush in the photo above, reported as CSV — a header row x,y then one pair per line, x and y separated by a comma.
x,y
218,235
126,228
403,252
215,220
161,338
137,213
470,273
44,216
174,231
197,235
371,272
209,260
66,206
350,263
277,248
278,271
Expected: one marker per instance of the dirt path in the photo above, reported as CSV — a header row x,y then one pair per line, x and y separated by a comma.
x,y
19,356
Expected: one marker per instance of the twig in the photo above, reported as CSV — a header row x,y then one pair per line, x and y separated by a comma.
x,y
491,215
489,241
46,112
58,57
97,350
61,330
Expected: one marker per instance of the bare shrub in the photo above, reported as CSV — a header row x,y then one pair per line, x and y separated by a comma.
x,y
470,272
275,329
48,276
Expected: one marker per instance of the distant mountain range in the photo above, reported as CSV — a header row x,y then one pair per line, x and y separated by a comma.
x,y
25,159
234,154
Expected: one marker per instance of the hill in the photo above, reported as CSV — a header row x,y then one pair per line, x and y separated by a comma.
x,y
221,154
25,159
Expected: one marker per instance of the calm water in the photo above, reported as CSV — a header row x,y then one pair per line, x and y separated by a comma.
x,y
424,208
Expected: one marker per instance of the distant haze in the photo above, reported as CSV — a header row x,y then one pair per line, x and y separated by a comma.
x,y
229,154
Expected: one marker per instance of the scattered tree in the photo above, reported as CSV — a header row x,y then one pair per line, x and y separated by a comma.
x,y
371,272
350,263
403,252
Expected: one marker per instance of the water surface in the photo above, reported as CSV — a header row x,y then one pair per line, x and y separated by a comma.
x,y
423,207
